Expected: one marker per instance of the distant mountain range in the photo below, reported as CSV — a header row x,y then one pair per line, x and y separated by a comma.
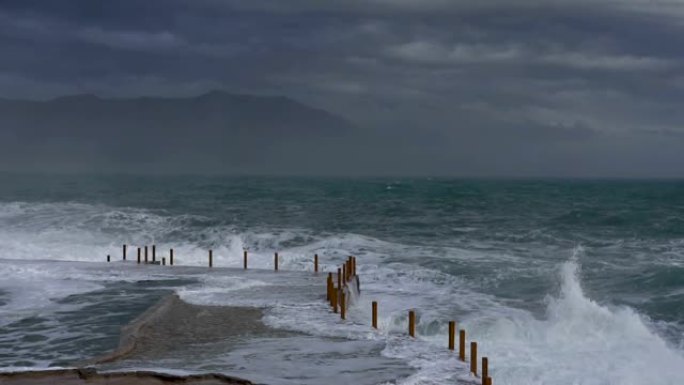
x,y
216,132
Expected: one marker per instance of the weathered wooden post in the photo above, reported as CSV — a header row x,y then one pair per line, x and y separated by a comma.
x,y
211,258
452,334
485,370
461,345
124,252
344,274
343,305
375,314
339,277
108,258
315,263
327,286
412,323
334,300
275,261
244,257
154,253
488,381
145,254
138,255
163,261
171,257
473,357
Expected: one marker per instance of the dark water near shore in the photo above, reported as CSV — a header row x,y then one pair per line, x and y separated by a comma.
x,y
525,264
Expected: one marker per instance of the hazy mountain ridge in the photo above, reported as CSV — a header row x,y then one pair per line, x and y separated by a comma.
x,y
216,112
214,129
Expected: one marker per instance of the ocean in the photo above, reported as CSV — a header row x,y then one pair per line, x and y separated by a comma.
x,y
559,281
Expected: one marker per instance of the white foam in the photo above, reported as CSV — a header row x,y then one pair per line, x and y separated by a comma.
x,y
579,342
33,290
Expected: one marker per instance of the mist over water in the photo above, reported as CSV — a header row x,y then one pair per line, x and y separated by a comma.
x,y
560,282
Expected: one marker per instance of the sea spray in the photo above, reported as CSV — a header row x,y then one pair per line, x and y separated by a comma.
x,y
491,255
580,342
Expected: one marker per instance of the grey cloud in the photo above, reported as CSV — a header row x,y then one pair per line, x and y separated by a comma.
x,y
134,40
463,53
434,76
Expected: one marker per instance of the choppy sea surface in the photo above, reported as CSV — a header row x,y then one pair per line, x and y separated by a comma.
x,y
560,282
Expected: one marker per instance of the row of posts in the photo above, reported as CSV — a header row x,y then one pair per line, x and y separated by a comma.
x,y
147,259
338,298
211,257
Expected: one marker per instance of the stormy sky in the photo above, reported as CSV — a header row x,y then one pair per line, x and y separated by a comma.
x,y
567,88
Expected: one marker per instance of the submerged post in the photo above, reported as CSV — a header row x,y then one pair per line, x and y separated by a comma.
x,y
485,370
138,255
354,265
473,357
275,261
154,253
344,274
349,270
328,284
244,256
339,277
171,257
412,323
163,261
488,381
452,334
315,263
375,314
145,254
124,252
108,258
334,300
461,345
211,258
343,305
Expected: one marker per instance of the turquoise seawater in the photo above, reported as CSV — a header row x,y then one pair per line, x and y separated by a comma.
x,y
563,281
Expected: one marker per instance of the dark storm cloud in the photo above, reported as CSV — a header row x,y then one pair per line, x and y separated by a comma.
x,y
463,87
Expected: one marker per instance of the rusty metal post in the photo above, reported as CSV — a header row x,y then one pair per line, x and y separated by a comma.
x,y
461,345
330,283
412,323
344,274
343,305
485,370
473,358
452,334
375,314
334,300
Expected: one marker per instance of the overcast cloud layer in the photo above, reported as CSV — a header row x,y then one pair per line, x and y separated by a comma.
x,y
525,88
